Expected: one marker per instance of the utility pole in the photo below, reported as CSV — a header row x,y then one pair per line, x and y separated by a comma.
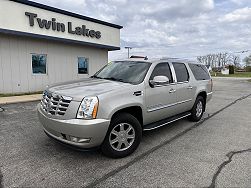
x,y
128,48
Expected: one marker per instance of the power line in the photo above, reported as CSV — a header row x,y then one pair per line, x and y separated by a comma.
x,y
144,50
241,52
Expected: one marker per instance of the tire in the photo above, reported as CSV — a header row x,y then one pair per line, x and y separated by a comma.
x,y
123,136
198,109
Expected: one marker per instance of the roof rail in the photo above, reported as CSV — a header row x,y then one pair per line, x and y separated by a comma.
x,y
169,58
142,57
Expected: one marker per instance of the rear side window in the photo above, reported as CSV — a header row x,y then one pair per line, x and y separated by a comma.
x,y
200,72
162,69
181,72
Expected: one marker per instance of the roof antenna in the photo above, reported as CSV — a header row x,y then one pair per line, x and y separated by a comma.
x,y
146,58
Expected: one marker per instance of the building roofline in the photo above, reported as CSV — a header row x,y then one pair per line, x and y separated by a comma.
x,y
38,36
49,8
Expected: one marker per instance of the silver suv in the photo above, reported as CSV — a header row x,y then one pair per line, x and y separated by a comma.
x,y
110,109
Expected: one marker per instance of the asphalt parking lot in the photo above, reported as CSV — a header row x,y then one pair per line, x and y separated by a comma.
x,y
213,152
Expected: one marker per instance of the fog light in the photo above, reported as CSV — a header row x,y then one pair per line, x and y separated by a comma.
x,y
79,140
74,139
84,140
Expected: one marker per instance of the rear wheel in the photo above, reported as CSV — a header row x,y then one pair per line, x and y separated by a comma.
x,y
123,136
198,109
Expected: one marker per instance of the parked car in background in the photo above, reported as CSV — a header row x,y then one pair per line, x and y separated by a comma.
x,y
111,108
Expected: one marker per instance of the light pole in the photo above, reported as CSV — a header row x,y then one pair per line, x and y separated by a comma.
x,y
128,48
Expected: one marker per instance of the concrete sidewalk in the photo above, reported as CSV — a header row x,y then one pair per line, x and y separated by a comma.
x,y
19,99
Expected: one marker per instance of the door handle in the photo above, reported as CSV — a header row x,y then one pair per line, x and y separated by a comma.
x,y
172,90
190,87
138,93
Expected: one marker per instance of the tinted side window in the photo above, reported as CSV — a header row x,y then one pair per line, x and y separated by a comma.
x,y
181,72
199,71
162,69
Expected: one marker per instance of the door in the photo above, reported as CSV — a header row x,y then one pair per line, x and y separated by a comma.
x,y
185,91
160,100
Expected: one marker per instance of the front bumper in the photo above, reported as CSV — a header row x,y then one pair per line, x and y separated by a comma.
x,y
90,132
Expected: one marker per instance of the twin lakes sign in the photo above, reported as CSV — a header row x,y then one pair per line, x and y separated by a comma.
x,y
26,18
61,27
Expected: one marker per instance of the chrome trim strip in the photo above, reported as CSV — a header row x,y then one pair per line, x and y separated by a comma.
x,y
66,98
173,72
161,125
167,106
182,82
169,84
210,93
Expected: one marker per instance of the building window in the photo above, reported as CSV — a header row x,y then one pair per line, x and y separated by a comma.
x,y
39,63
82,65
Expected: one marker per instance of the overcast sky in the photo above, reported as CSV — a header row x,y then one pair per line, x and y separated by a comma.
x,y
171,28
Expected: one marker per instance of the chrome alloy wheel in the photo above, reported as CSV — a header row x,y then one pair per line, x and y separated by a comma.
x,y
122,136
199,109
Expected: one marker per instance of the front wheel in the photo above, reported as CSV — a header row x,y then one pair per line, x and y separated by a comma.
x,y
123,136
198,109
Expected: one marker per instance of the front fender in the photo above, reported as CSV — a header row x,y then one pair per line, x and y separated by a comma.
x,y
110,104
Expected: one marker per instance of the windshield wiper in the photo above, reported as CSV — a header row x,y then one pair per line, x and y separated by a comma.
x,y
94,76
115,79
110,78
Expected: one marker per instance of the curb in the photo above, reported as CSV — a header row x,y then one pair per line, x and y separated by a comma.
x,y
241,78
19,99
17,102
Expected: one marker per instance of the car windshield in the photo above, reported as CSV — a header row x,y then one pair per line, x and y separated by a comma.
x,y
124,71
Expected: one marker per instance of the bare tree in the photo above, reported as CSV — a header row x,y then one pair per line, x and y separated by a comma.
x,y
219,59
207,59
247,60
234,60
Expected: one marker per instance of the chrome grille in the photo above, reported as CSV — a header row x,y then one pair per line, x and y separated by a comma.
x,y
55,104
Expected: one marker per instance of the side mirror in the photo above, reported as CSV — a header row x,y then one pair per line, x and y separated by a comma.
x,y
159,80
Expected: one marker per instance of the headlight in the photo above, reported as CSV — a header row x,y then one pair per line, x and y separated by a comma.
x,y
88,108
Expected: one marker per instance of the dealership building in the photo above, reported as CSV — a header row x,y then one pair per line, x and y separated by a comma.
x,y
42,45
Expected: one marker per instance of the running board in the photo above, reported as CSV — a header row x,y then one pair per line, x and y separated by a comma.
x,y
166,121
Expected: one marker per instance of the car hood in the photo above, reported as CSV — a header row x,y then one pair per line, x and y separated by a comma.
x,y
85,87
